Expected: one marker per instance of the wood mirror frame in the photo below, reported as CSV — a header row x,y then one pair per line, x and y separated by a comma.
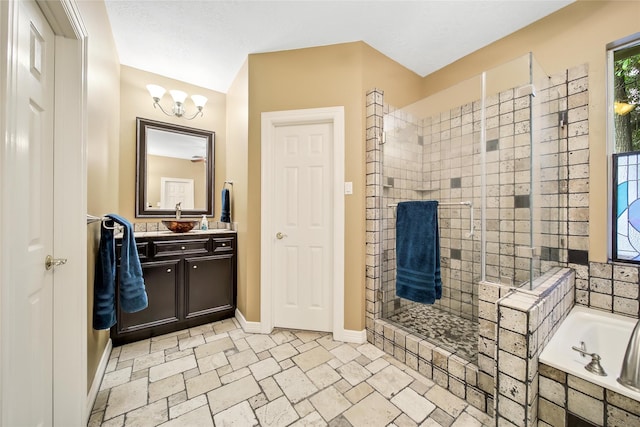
x,y
144,127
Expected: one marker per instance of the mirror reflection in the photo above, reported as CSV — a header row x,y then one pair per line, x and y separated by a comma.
x,y
175,165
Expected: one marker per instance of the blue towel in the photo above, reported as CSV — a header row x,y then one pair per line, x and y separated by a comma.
x,y
133,296
418,252
104,284
225,213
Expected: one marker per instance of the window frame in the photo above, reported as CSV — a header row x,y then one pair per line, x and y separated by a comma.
x,y
611,49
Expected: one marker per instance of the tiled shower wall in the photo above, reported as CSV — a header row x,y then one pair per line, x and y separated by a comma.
x,y
439,158
419,158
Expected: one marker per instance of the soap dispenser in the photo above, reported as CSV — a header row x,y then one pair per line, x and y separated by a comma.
x,y
204,225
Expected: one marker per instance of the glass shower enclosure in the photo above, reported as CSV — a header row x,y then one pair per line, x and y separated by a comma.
x,y
489,151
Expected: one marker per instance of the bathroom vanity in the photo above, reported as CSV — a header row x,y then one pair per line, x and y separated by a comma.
x,y
190,280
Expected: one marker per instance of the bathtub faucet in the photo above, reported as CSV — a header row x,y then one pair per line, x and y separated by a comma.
x,y
630,372
594,366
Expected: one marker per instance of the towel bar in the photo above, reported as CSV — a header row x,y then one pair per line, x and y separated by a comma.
x,y
91,219
465,203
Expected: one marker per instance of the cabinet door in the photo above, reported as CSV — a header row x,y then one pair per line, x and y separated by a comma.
x,y
161,282
208,284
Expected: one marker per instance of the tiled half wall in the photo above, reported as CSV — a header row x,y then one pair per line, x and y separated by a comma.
x,y
525,323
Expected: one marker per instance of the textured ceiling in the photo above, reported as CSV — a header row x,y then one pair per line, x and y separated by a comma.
x,y
206,42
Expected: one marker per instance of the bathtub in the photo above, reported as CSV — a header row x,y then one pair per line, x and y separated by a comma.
x,y
604,333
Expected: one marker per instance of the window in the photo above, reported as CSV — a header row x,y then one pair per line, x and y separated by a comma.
x,y
624,82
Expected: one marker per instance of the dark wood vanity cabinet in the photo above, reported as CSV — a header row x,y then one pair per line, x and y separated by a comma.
x,y
161,281
190,280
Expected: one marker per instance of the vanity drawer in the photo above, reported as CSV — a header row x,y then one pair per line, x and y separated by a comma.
x,y
180,247
142,247
222,244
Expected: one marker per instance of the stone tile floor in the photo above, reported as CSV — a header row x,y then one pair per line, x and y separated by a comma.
x,y
217,374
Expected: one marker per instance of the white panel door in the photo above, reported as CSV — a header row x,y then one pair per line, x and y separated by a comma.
x,y
29,345
303,212
176,190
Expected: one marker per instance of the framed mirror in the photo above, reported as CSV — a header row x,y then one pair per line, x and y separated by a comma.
x,y
174,164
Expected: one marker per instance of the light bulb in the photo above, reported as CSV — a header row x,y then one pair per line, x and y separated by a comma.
x,y
178,96
156,91
199,100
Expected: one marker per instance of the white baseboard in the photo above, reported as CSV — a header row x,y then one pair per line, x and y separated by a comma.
x,y
344,335
358,337
249,327
97,379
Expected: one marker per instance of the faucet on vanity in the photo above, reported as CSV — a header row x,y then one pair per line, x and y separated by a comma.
x,y
630,372
178,210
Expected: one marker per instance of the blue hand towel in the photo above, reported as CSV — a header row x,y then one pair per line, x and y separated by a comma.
x,y
418,251
133,296
225,213
104,284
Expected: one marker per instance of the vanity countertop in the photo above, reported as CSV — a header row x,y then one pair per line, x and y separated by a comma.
x,y
164,233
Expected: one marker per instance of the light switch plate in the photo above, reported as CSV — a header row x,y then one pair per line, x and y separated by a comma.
x,y
348,188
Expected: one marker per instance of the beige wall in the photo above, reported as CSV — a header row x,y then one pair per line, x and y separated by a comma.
x,y
312,78
103,96
136,102
237,167
575,35
337,75
400,86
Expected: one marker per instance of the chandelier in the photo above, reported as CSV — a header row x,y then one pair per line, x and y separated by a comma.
x,y
178,110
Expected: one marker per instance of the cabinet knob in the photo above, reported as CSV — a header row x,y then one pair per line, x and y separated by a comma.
x,y
195,266
224,244
183,248
168,270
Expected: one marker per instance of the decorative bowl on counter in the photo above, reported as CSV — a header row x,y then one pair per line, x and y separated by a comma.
x,y
180,225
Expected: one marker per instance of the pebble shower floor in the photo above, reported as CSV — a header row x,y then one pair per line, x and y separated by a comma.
x,y
455,334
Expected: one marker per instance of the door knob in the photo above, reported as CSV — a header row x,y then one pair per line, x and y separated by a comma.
x,y
280,235
50,262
